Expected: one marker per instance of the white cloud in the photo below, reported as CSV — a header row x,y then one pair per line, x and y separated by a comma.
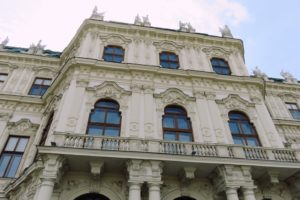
x,y
56,21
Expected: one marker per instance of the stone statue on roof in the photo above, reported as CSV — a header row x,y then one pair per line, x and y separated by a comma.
x,y
137,20
36,49
96,15
146,21
288,77
186,27
226,32
4,43
190,28
258,73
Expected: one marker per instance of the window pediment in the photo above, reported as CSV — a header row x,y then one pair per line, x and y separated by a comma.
x,y
217,52
288,97
234,101
22,127
168,46
114,39
44,71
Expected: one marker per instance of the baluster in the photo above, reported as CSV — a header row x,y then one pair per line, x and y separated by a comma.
x,y
80,142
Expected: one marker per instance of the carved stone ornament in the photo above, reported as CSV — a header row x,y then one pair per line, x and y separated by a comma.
x,y
173,96
4,43
218,52
289,97
136,170
258,73
168,46
7,67
96,15
22,127
288,77
114,39
235,102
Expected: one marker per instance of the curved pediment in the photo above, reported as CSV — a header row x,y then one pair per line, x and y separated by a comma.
x,y
115,39
174,96
168,46
234,101
109,89
22,127
46,71
289,97
216,52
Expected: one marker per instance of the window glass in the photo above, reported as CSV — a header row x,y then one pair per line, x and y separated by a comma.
x,y
247,129
168,122
234,128
113,118
38,81
14,166
95,130
40,86
170,136
169,60
22,144
113,54
11,144
220,66
5,158
47,82
252,142
182,123
112,131
295,114
185,137
238,141
98,116
3,77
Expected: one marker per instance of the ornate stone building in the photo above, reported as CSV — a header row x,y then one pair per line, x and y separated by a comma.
x,y
130,111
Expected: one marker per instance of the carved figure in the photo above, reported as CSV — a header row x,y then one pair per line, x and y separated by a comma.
x,y
226,32
146,21
190,28
288,77
4,43
186,27
96,15
137,20
36,49
258,73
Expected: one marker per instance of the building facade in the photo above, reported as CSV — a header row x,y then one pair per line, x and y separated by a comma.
x,y
130,111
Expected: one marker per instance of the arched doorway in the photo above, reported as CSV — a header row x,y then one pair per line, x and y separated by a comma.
x,y
92,196
184,198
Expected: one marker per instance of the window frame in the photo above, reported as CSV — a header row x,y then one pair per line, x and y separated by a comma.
x,y
105,125
177,130
42,86
219,66
291,110
169,53
113,54
12,154
241,134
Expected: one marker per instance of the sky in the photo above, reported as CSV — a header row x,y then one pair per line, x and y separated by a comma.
x,y
269,28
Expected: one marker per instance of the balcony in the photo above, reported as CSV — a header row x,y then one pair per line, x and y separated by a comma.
x,y
206,152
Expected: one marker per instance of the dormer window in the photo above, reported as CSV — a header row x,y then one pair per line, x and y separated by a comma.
x,y
220,66
113,54
169,60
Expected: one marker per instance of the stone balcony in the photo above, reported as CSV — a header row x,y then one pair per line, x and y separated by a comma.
x,y
184,149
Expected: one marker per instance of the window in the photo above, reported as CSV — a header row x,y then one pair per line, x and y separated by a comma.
x,y
294,110
169,60
176,124
105,119
3,77
220,66
40,86
113,54
46,129
12,155
242,130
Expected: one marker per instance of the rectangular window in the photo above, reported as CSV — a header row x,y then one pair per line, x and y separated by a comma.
x,y
12,155
3,77
40,86
294,110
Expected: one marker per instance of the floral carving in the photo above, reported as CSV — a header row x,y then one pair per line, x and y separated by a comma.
x,y
21,127
217,52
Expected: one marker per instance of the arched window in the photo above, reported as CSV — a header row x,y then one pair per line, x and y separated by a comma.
x,y
176,124
220,66
92,196
242,130
113,54
105,119
169,60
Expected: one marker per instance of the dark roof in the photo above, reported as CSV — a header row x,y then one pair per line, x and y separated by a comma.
x,y
47,52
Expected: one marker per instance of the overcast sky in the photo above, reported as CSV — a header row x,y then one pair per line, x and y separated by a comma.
x,y
269,28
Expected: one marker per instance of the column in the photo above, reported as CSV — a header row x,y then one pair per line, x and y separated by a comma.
x,y
154,191
46,189
248,194
134,191
149,112
134,125
231,193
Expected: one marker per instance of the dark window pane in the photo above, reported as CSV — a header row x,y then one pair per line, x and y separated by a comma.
x,y
234,128
3,163
119,51
95,130
3,77
38,81
295,114
11,144
252,142
14,166
109,50
113,54
111,131
168,122
174,65
183,123
175,110
113,118
107,104
247,129
173,57
238,141
170,136
118,59
98,116
163,57
22,144
108,58
43,91
164,64
185,137
35,90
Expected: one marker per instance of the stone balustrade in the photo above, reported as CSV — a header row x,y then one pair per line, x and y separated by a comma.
x,y
175,147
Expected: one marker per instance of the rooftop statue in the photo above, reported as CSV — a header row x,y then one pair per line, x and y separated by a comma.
x,y
137,20
190,28
258,73
4,43
186,27
288,77
36,49
96,15
226,32
146,21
